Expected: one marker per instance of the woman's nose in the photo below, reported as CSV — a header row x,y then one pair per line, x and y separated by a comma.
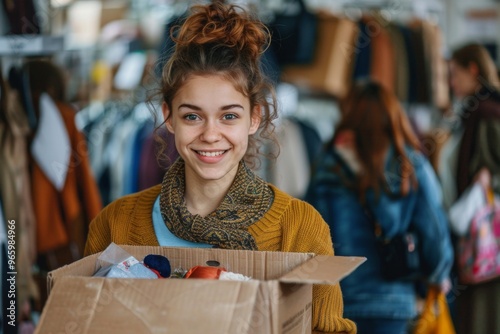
x,y
211,132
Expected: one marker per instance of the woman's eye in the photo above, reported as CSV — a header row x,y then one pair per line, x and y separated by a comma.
x,y
191,117
230,116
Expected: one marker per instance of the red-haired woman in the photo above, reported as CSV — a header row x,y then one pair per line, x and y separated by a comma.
x,y
372,171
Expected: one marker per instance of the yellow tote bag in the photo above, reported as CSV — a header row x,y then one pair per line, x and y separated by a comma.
x,y
435,318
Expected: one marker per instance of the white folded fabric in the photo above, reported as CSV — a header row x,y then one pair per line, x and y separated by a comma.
x,y
51,147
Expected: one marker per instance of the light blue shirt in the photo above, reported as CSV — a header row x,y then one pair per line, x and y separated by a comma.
x,y
167,238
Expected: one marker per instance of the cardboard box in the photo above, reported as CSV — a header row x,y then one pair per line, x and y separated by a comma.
x,y
276,300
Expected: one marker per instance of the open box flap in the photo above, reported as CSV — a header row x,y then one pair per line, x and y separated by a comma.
x,y
323,269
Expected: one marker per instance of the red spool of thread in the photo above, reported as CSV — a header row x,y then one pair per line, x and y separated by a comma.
x,y
206,272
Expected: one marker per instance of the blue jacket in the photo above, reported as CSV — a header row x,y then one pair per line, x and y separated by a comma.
x,y
365,293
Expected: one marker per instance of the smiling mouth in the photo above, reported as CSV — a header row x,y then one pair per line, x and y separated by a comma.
x,y
211,154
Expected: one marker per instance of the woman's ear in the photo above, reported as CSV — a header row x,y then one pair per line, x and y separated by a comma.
x,y
167,117
255,120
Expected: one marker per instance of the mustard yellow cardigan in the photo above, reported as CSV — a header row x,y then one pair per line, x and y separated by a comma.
x,y
290,225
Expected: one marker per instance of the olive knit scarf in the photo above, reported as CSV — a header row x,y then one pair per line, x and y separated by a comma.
x,y
247,200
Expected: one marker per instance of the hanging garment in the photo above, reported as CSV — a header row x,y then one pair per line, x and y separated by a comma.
x,y
407,35
63,216
291,171
422,74
382,58
116,152
15,192
132,159
19,80
151,168
433,40
401,73
332,67
447,166
22,16
119,150
51,132
99,133
294,34
312,140
3,242
363,56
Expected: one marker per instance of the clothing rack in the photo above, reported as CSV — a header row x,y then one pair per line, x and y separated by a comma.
x,y
395,9
19,200
387,4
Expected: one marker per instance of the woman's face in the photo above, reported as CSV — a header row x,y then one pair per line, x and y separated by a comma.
x,y
211,122
463,80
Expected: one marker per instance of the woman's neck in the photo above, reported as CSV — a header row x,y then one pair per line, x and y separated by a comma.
x,y
202,198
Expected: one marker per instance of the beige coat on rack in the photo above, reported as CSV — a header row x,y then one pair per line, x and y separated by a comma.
x,y
291,171
15,189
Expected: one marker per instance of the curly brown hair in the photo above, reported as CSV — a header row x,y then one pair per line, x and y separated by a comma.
x,y
227,41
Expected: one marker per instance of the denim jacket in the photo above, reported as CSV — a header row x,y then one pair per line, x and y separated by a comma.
x,y
365,293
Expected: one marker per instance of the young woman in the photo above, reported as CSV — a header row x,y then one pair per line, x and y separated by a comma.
x,y
216,102
472,155
474,81
371,172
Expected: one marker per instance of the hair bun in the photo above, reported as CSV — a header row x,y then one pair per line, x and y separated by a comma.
x,y
221,24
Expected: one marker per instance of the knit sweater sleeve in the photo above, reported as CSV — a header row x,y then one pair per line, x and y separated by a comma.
x,y
99,236
126,221
304,230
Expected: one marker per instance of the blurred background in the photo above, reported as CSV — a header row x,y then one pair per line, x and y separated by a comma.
x,y
76,131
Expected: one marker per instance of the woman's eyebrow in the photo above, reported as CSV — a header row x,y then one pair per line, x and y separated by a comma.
x,y
189,106
227,107
232,106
